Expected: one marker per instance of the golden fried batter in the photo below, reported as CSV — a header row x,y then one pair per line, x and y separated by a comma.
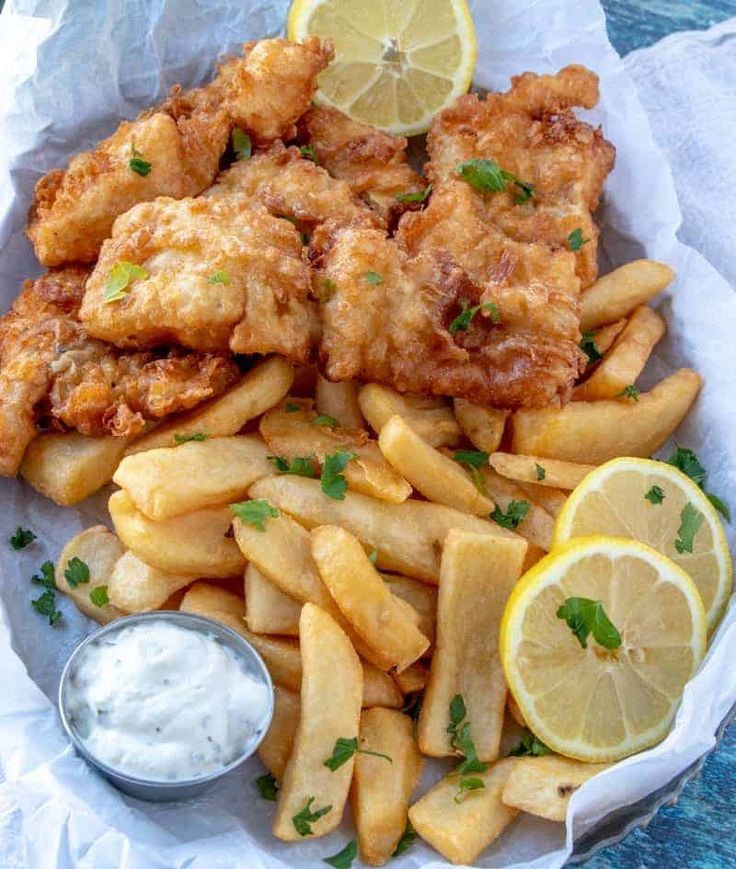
x,y
180,144
50,368
215,276
372,162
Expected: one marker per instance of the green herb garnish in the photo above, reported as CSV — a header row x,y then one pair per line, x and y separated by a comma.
x,y
530,746
590,348
309,152
332,481
119,279
462,322
325,419
575,240
373,278
76,572
46,606
98,596
344,859
514,515
585,616
629,391
655,495
408,198
303,820
539,471
219,277
22,538
48,576
255,512
198,437
241,144
488,177
690,521
407,839
267,787
299,466
345,748
468,784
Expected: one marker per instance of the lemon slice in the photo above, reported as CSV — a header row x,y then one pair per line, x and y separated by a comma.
x,y
396,63
593,703
613,500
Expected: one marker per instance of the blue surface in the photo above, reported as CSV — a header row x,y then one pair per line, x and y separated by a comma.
x,y
700,831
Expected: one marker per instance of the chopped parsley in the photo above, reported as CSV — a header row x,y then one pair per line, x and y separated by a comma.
x,y
690,521
472,783
308,152
325,419
488,177
267,787
575,240
290,407
720,505
590,348
373,278
514,515
373,556
138,165
119,279
241,144
345,748
98,596
629,391
46,606
306,817
686,461
255,512
655,495
22,538
409,198
76,572
407,839
299,466
344,859
198,437
48,576
332,481
585,616
219,277
462,322
539,471
530,746
460,738
474,460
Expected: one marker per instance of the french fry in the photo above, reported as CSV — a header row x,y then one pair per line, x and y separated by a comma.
x,y
551,500
421,596
537,526
616,294
380,792
331,693
595,431
431,418
407,537
413,679
99,549
340,401
478,574
69,467
169,481
364,598
276,747
543,786
294,434
624,362
136,587
483,426
268,610
193,544
540,471
379,689
435,475
259,390
460,829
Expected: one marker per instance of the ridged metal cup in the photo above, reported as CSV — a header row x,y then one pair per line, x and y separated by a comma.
x,y
164,791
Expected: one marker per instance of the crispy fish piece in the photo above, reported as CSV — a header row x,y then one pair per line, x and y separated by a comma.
x,y
51,369
178,146
215,276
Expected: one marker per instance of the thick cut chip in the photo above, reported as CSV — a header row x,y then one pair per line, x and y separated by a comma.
x,y
331,693
539,471
268,610
478,574
340,401
619,292
413,679
536,524
276,746
380,791
422,598
136,587
100,550
379,689
429,416
483,426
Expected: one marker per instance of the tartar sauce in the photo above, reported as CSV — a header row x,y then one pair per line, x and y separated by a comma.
x,y
165,703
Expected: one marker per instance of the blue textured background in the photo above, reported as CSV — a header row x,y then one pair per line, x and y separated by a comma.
x,y
699,832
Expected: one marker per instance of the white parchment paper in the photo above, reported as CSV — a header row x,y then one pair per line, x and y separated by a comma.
x,y
70,70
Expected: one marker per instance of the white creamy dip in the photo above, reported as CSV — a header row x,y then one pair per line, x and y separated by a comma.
x,y
165,703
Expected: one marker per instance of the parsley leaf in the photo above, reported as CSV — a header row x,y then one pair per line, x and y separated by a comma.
x,y
488,176
324,419
629,391
98,596
474,458
185,438
309,152
514,515
457,713
408,198
219,277
468,784
345,748
241,144
255,512
373,278
303,820
407,839
585,616
575,240
140,167
46,606
690,521
460,738
119,279
267,787
48,576
462,322
332,481
21,538
590,348
344,859
720,505
76,572
539,470
373,556
655,495
530,746
290,407
300,466
686,461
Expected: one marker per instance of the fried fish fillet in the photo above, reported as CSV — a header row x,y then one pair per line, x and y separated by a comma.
x,y
175,149
212,275
373,163
50,368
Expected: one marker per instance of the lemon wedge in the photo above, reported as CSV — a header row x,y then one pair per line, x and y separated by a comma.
x,y
647,501
396,63
601,704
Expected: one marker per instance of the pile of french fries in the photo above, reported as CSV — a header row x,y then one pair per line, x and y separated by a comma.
x,y
387,598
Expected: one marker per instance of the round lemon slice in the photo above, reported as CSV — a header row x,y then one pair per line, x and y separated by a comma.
x,y
601,704
396,64
658,505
